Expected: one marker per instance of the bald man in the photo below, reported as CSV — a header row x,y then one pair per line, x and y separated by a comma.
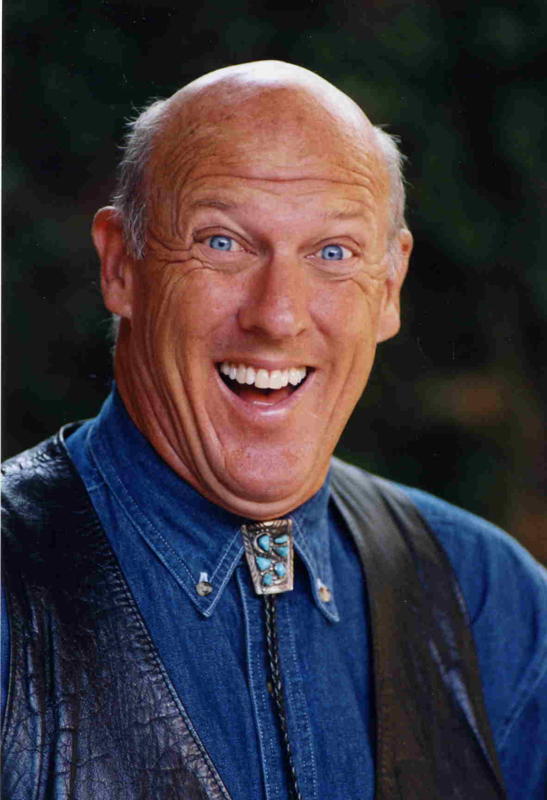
x,y
202,603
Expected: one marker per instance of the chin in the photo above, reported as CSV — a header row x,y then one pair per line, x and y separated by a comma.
x,y
261,492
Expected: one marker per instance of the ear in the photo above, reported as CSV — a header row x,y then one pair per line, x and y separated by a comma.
x,y
116,265
390,319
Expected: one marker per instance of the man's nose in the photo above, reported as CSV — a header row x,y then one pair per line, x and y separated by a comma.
x,y
277,301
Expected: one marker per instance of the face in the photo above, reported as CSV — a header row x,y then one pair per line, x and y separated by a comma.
x,y
251,324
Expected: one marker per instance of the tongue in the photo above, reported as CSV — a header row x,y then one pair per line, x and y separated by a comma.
x,y
251,395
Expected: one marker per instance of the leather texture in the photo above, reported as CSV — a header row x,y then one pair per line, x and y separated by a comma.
x,y
433,735
92,714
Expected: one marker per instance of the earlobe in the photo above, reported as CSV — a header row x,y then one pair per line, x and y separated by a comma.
x,y
390,317
116,264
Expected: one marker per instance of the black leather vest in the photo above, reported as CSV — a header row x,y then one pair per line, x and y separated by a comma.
x,y
92,715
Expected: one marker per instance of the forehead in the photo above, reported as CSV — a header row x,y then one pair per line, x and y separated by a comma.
x,y
274,144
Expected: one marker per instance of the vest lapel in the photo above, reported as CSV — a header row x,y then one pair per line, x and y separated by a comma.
x,y
91,713
433,736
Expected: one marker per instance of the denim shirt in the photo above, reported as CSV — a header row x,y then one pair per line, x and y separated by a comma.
x,y
168,539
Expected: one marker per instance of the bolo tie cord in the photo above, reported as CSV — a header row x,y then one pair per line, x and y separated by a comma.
x,y
270,556
277,689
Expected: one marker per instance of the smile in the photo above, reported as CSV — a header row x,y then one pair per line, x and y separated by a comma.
x,y
261,385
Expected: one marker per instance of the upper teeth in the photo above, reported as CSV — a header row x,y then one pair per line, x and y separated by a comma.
x,y
263,378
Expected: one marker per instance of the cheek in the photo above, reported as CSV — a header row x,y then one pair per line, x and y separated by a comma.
x,y
157,310
192,307
346,311
205,301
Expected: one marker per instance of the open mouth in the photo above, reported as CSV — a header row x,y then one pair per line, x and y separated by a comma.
x,y
261,385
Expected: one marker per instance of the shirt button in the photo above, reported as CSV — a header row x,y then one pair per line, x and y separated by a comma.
x,y
203,588
325,594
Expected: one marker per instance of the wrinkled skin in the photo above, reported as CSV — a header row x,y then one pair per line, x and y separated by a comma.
x,y
279,167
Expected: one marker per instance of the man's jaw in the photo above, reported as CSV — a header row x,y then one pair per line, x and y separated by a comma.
x,y
261,386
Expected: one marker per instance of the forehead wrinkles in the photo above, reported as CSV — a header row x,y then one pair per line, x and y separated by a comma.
x,y
272,138
243,198
270,210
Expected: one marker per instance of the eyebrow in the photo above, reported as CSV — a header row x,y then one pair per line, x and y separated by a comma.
x,y
212,203
342,214
225,206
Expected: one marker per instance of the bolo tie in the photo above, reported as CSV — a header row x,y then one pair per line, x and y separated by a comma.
x,y
270,556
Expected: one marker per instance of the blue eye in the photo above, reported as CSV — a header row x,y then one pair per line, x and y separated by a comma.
x,y
221,242
332,252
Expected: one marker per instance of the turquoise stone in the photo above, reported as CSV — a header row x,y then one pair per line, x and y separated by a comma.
x,y
281,539
267,579
264,542
282,551
263,563
280,569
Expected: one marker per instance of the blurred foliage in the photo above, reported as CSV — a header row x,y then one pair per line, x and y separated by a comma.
x,y
456,403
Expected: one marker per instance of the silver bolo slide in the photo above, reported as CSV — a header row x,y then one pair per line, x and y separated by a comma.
x,y
269,552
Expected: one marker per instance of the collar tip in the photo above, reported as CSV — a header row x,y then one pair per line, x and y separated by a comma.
x,y
331,613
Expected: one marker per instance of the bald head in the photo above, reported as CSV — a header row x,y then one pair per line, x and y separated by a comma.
x,y
270,102
268,92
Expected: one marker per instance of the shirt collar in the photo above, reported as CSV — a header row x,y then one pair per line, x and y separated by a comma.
x,y
195,539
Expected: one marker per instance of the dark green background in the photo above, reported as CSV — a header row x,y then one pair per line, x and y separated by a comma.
x,y
456,403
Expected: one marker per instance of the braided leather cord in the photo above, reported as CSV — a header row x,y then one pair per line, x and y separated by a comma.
x,y
277,688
